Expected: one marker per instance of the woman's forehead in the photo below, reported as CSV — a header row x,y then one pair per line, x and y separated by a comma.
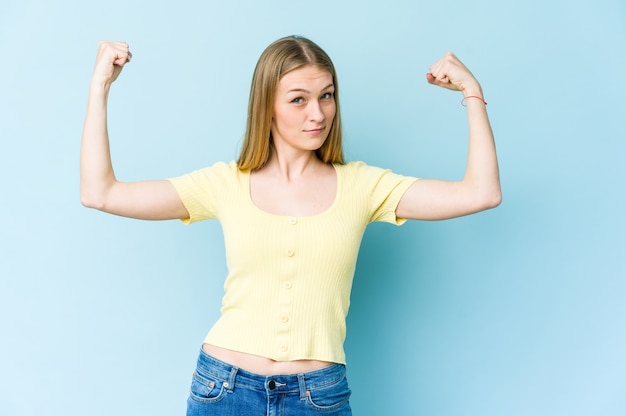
x,y
309,76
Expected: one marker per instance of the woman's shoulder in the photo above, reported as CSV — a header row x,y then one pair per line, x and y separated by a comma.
x,y
221,169
223,166
361,168
216,173
359,173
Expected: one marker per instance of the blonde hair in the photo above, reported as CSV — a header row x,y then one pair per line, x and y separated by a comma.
x,y
284,55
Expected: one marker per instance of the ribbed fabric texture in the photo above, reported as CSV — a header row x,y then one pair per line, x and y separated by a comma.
x,y
287,292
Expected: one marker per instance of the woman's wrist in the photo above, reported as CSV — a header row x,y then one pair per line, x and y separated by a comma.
x,y
471,86
474,90
472,97
99,88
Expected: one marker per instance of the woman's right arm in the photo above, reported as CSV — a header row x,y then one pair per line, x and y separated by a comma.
x,y
99,188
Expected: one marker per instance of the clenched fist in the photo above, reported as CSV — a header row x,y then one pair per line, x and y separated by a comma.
x,y
449,72
111,58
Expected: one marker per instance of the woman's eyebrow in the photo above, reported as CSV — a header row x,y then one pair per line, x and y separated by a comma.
x,y
307,91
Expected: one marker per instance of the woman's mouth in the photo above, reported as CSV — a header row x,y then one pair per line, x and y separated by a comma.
x,y
315,131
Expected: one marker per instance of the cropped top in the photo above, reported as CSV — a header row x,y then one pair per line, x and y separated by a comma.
x,y
289,279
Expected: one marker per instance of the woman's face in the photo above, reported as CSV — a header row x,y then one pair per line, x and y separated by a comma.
x,y
304,109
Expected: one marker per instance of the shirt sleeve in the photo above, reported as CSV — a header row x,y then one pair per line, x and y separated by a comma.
x,y
384,191
201,190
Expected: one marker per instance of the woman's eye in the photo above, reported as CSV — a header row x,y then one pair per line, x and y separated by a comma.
x,y
327,96
298,100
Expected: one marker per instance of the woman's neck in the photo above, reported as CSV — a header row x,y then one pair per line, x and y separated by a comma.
x,y
292,166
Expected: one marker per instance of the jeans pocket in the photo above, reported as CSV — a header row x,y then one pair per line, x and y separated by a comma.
x,y
206,389
331,397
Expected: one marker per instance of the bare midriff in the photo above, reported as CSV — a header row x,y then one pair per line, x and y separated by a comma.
x,y
261,365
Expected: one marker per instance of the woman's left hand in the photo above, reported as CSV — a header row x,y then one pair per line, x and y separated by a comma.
x,y
450,73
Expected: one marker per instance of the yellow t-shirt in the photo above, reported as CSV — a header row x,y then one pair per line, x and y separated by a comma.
x,y
287,291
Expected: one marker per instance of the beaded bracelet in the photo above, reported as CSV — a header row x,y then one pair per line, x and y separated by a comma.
x,y
472,96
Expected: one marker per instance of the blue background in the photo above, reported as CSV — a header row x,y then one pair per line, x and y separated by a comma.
x,y
515,311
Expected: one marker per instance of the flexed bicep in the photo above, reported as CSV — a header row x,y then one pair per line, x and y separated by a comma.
x,y
146,200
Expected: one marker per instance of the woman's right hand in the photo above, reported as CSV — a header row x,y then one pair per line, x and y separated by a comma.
x,y
110,60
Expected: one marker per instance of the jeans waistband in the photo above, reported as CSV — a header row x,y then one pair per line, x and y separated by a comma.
x,y
235,377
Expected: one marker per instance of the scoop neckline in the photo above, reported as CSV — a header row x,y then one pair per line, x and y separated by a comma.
x,y
267,213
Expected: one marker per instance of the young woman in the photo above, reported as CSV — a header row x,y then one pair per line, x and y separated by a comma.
x,y
293,213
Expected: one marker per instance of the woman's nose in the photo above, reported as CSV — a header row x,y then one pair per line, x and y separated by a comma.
x,y
315,111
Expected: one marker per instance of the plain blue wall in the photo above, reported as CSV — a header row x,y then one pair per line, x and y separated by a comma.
x,y
516,311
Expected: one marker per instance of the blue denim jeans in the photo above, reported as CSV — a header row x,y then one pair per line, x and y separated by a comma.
x,y
220,389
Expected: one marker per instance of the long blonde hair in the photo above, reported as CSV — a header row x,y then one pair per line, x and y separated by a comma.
x,y
279,58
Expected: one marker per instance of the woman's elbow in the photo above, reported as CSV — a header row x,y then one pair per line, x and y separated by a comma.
x,y
89,202
492,199
90,199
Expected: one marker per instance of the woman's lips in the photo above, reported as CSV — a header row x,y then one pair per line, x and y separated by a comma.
x,y
315,131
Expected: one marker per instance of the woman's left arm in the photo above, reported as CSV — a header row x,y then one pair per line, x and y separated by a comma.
x,y
430,199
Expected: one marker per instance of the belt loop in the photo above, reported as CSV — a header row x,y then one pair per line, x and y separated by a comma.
x,y
302,386
230,384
